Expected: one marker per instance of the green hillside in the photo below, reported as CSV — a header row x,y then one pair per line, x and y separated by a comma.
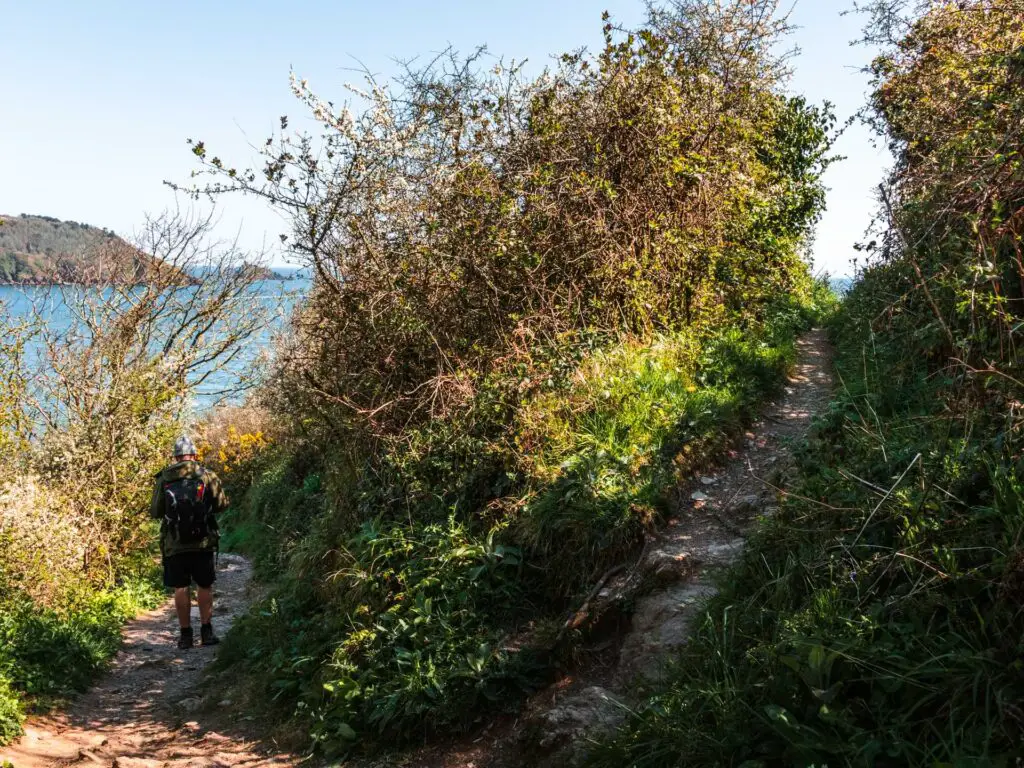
x,y
42,249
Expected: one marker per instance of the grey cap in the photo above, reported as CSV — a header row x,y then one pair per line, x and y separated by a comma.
x,y
184,446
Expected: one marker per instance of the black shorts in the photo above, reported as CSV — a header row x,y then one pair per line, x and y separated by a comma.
x,y
182,569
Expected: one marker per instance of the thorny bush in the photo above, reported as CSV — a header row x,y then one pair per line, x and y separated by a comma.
x,y
467,217
536,302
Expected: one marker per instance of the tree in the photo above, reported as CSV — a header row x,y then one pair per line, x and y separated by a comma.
x,y
110,389
467,214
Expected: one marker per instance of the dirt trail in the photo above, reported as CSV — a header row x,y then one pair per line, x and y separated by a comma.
x,y
716,511
146,712
663,592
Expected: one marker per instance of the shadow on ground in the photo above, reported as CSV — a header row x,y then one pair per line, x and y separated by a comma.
x,y
146,712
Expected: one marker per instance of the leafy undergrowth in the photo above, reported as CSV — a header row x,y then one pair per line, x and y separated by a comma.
x,y
877,619
425,592
47,654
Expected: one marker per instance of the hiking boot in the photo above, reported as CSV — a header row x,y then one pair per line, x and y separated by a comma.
x,y
206,633
186,640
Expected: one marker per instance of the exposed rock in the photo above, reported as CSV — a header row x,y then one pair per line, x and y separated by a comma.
x,y
558,736
213,737
137,762
746,506
43,743
190,705
661,624
719,553
664,566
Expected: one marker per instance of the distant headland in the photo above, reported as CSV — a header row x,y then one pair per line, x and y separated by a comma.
x,y
43,250
260,272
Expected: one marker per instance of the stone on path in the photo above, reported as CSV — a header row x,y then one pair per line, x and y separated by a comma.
x,y
561,735
661,623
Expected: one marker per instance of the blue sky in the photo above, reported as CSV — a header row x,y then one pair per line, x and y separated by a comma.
x,y
100,97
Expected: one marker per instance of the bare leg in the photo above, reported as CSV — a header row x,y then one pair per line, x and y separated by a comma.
x,y
183,605
205,599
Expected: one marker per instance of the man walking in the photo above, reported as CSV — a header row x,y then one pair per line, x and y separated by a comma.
x,y
187,499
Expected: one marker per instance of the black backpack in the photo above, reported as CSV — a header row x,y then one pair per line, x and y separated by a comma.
x,y
187,508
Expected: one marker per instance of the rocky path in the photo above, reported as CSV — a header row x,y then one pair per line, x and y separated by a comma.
x,y
147,712
664,591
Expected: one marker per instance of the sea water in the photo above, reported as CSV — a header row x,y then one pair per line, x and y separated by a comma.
x,y
277,296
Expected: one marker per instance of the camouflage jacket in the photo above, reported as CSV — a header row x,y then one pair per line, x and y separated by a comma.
x,y
169,545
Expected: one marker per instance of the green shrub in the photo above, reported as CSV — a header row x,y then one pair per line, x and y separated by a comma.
x,y
608,451
280,507
46,654
608,196
12,713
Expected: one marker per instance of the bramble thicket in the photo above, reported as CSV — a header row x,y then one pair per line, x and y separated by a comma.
x,y
537,303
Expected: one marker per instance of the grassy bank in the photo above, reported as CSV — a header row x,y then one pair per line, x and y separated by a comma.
x,y
426,592
876,619
47,654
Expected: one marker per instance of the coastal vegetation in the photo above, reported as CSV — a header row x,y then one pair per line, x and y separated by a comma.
x,y
877,619
88,408
42,250
538,303
33,247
